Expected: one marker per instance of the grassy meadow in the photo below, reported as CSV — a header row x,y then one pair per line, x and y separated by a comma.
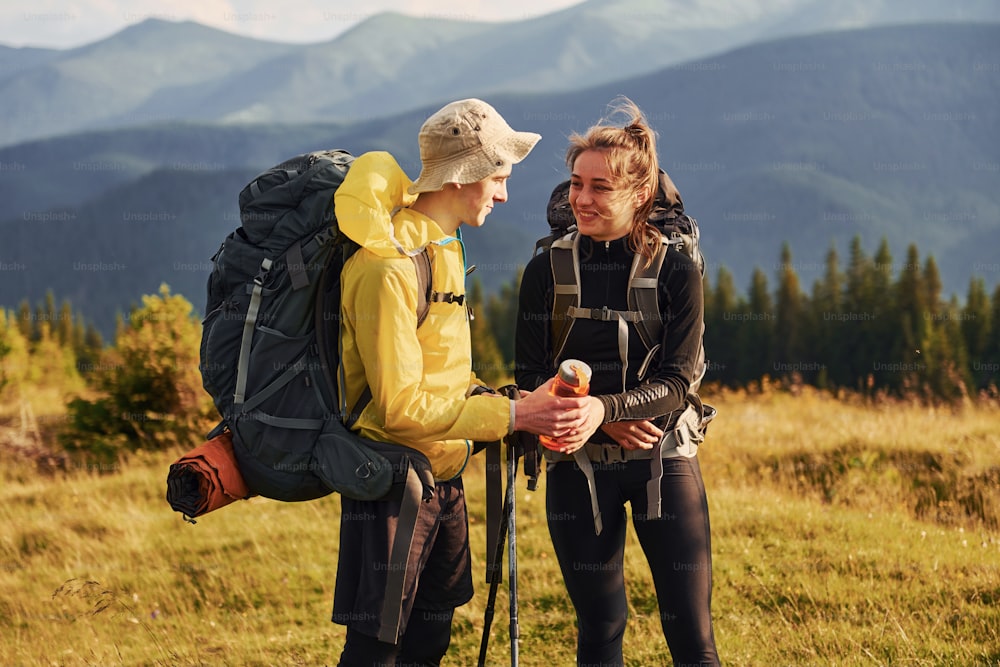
x,y
843,534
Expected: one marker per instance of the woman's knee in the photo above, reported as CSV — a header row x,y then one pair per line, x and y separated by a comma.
x,y
602,624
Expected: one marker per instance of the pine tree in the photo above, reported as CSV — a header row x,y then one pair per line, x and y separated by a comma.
x,y
932,286
45,313
88,344
708,315
756,330
943,348
26,320
79,334
4,328
787,344
959,373
14,357
942,374
991,365
52,363
64,325
487,362
882,330
864,354
721,329
501,312
882,276
976,325
911,308
825,323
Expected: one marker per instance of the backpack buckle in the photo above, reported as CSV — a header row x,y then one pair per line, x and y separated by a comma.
x,y
448,297
613,454
265,268
603,314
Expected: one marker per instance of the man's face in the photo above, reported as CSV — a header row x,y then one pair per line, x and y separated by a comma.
x,y
475,201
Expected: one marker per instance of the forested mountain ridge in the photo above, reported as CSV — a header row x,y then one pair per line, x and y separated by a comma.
x,y
885,133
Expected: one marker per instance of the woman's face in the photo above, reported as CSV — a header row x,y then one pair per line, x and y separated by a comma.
x,y
602,212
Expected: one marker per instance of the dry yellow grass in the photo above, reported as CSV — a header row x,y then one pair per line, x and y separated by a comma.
x,y
843,534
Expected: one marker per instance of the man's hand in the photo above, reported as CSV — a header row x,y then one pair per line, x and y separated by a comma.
x,y
541,413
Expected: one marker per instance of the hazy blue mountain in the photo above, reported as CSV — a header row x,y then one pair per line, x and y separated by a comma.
x,y
159,70
890,132
140,75
47,173
14,60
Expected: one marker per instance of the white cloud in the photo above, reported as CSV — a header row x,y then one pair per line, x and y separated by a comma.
x,y
69,23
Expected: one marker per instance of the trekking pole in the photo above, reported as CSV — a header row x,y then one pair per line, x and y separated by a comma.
x,y
512,553
507,529
494,581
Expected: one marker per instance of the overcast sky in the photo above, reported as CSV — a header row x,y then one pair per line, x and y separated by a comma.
x,y
69,23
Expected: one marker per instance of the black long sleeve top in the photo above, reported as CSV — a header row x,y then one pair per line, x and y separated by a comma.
x,y
604,273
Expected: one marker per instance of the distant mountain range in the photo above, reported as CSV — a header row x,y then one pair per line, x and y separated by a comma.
x,y
159,70
889,132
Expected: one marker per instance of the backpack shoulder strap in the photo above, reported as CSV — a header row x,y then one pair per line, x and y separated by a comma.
x,y
564,256
643,296
422,263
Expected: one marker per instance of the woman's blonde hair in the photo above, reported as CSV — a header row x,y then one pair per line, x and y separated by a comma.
x,y
630,151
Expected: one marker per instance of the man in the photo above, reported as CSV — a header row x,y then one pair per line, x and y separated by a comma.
x,y
420,377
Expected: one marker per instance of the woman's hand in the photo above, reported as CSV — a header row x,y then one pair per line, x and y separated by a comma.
x,y
577,438
638,434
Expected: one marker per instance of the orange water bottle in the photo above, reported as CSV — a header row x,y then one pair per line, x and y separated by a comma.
x,y
573,379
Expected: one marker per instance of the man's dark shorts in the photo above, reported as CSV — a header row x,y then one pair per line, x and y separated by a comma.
x,y
438,569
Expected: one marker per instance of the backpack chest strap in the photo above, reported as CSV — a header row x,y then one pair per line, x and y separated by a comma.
x,y
604,314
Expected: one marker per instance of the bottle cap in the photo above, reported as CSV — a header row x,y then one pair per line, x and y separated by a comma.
x,y
574,372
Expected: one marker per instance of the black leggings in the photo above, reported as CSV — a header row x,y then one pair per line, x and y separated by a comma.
x,y
677,547
424,643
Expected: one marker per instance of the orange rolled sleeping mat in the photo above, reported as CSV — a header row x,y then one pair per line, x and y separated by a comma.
x,y
205,479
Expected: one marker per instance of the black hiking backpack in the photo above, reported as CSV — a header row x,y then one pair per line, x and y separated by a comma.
x,y
269,348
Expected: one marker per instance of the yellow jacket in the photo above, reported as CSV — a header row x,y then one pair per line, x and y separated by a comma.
x,y
420,378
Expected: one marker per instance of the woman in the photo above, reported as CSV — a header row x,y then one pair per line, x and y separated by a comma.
x,y
614,177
